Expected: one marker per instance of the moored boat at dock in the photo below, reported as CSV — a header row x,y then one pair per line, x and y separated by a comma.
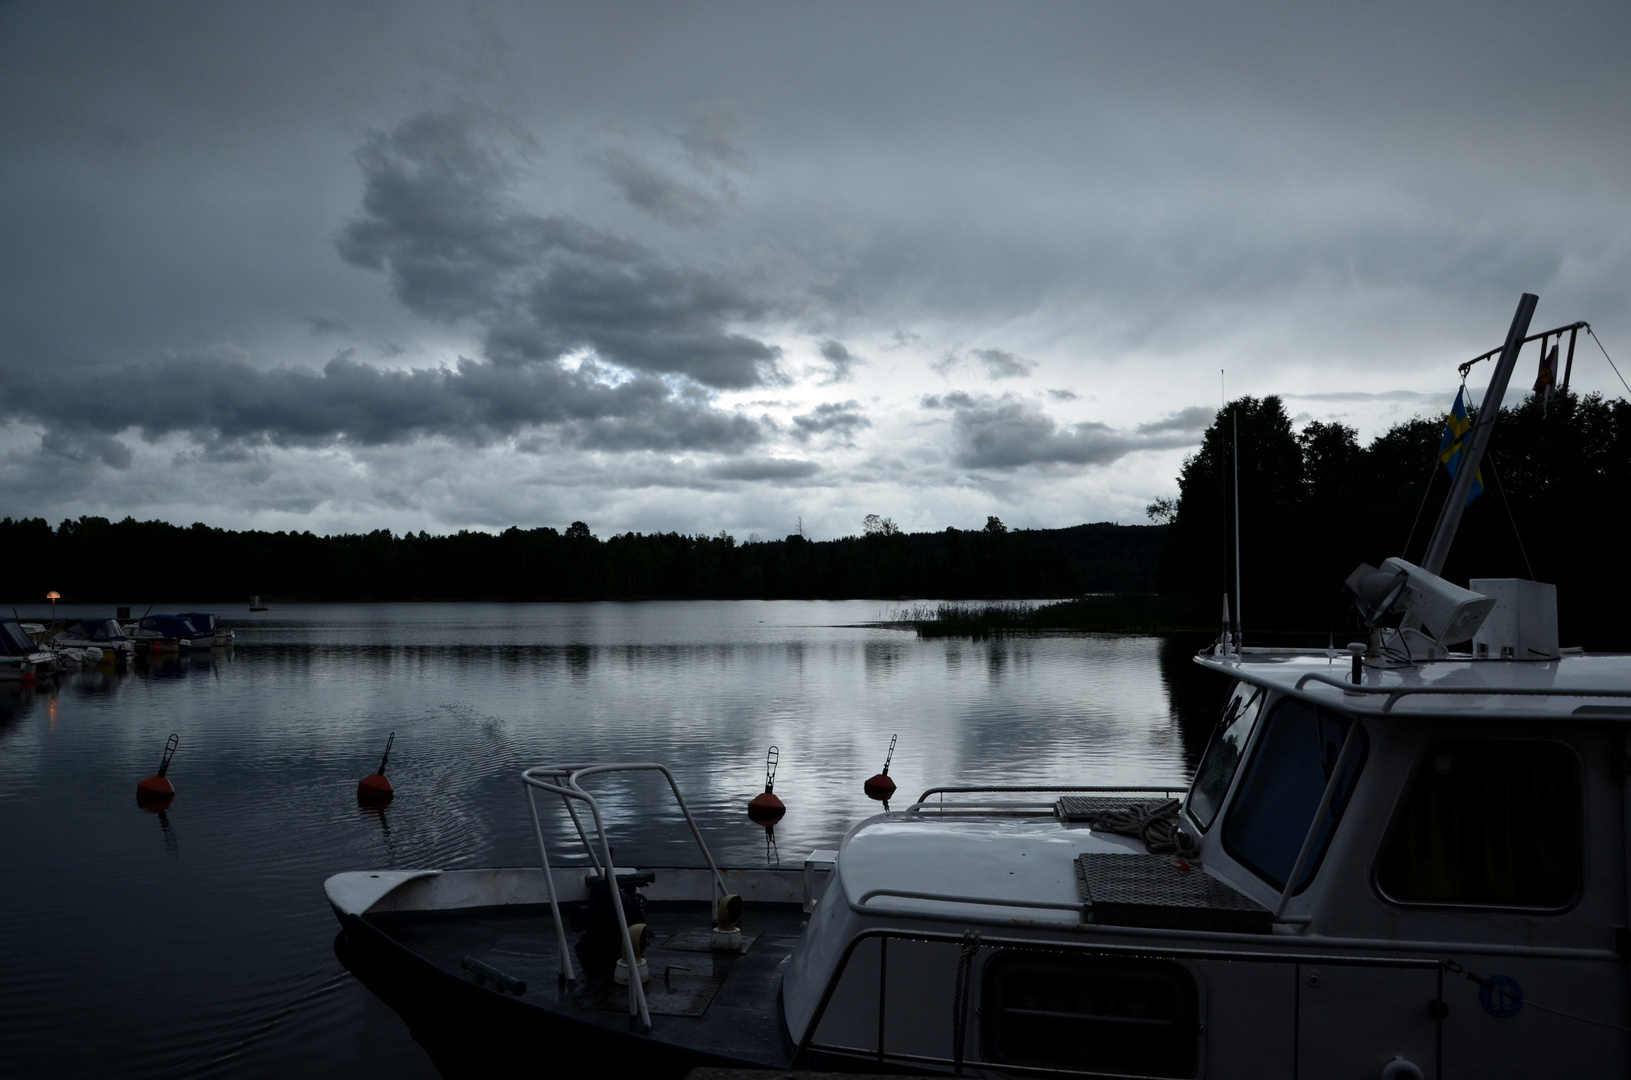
x,y
169,633
207,623
106,636
21,657
1408,858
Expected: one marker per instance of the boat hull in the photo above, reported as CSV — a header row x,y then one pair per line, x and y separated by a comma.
x,y
472,1031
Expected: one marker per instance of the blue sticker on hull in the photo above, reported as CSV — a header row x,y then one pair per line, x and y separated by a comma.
x,y
1501,996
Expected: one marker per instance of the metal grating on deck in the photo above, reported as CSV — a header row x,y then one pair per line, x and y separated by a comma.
x,y
1075,808
1164,892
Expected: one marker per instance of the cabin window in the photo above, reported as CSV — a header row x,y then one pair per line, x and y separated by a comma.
x,y
1488,823
1282,787
1089,1014
1223,753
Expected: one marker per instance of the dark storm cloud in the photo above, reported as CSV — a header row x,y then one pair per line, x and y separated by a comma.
x,y
997,363
326,324
438,218
764,469
1318,197
227,400
712,135
1001,364
1190,421
648,188
839,420
1008,432
842,360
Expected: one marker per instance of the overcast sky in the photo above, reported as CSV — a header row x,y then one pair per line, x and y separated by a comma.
x,y
700,267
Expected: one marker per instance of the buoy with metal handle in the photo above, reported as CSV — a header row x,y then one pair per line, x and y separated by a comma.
x,y
156,791
880,787
374,789
765,807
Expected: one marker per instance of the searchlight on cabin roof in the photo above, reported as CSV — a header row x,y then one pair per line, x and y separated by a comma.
x,y
1448,612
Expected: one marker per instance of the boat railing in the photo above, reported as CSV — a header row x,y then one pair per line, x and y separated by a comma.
x,y
566,781
1024,807
1395,693
971,943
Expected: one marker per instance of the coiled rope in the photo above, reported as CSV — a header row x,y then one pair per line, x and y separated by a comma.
x,y
1154,823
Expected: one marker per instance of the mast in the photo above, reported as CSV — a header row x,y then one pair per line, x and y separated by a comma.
x,y
1449,518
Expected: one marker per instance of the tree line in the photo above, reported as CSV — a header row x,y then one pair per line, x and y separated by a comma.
x,y
1315,503
138,562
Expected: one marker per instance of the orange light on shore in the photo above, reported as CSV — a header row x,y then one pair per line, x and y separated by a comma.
x,y
53,596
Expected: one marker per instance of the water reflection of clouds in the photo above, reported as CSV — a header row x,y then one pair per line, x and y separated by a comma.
x,y
275,735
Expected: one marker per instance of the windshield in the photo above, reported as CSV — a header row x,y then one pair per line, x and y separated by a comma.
x,y
13,640
1274,806
1223,753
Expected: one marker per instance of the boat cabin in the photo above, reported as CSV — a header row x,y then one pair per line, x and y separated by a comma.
x,y
1425,867
1392,862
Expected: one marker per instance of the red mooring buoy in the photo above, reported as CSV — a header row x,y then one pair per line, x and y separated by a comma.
x,y
880,787
156,791
765,808
374,789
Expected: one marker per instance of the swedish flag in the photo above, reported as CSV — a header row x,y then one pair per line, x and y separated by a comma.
x,y
1454,444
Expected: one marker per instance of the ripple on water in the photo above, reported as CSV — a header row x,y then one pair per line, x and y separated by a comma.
x,y
198,942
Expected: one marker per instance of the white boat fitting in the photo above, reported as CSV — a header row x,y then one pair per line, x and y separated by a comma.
x,y
1394,861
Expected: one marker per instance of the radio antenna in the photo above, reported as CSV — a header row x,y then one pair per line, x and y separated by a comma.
x,y
1240,628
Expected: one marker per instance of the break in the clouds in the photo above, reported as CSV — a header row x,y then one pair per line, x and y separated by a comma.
x,y
727,267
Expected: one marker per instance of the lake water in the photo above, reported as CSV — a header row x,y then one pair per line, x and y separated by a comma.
x,y
198,943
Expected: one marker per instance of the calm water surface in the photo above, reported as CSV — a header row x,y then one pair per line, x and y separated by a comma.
x,y
198,943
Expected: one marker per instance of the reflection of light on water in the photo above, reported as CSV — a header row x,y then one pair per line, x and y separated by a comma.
x,y
276,732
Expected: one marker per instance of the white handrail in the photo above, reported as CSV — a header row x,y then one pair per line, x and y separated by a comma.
x,y
637,992
540,777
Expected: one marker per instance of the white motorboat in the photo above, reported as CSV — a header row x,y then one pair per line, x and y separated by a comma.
x,y
1392,862
208,624
96,641
21,657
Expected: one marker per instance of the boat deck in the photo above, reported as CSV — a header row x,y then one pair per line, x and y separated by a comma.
x,y
713,1002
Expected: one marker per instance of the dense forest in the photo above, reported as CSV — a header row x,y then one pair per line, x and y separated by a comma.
x,y
1315,503
136,562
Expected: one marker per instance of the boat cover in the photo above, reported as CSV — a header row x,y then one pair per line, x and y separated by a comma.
x,y
170,626
204,621
14,640
102,630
